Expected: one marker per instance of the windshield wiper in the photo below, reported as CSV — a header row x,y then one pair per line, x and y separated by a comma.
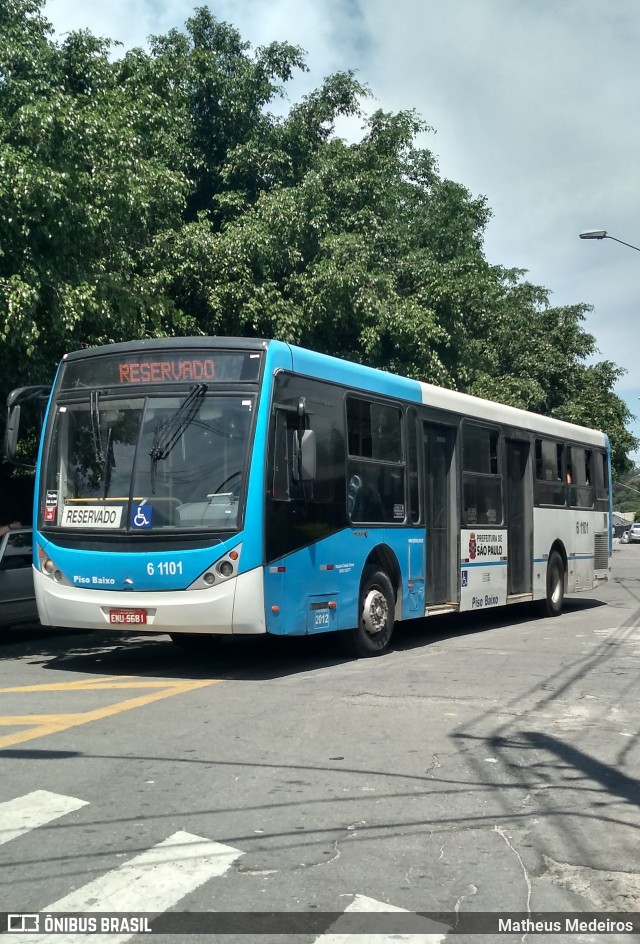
x,y
104,454
169,432
109,463
96,429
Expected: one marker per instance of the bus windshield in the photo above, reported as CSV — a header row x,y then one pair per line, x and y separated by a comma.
x,y
147,463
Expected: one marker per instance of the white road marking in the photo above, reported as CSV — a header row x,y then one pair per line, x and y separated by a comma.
x,y
153,881
27,812
363,904
157,879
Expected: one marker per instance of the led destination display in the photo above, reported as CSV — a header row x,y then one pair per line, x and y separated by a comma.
x,y
162,367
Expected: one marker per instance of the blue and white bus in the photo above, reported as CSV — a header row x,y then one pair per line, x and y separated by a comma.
x,y
202,487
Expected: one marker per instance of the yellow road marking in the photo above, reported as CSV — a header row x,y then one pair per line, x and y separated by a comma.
x,y
7,720
91,685
82,683
53,723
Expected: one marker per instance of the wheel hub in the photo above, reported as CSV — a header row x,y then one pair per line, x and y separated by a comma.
x,y
375,612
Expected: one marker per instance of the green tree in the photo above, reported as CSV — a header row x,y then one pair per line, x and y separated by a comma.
x,y
102,164
157,193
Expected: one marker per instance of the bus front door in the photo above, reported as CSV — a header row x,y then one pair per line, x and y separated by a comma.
x,y
439,503
519,515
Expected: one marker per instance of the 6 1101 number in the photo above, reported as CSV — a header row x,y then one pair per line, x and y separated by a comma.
x,y
164,568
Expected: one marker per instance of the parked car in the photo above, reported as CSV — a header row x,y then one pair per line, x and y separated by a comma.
x,y
17,596
633,534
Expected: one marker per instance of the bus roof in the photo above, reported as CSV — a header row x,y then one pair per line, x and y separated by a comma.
x,y
492,411
153,344
461,404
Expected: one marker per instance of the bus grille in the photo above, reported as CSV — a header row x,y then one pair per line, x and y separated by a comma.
x,y
601,550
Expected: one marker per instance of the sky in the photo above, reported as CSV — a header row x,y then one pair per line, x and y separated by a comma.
x,y
534,104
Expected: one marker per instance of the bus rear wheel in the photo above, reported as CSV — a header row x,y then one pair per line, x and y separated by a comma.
x,y
376,615
555,585
195,642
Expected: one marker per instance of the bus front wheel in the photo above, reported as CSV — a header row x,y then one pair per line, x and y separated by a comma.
x,y
555,585
195,642
376,614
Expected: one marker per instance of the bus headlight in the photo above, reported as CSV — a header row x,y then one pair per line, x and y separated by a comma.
x,y
219,570
49,567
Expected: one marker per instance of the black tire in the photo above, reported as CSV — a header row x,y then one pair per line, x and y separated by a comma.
x,y
376,615
195,642
552,605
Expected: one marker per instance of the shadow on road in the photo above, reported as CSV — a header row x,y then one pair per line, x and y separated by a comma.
x,y
241,657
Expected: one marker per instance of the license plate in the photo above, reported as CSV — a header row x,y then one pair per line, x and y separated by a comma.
x,y
128,617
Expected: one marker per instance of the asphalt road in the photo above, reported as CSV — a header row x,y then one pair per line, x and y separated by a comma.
x,y
488,764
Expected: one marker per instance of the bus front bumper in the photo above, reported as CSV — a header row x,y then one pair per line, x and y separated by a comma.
x,y
233,607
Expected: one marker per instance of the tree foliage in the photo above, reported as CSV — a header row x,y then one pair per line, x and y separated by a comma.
x,y
157,193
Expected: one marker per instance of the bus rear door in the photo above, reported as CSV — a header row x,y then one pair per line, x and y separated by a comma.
x,y
440,516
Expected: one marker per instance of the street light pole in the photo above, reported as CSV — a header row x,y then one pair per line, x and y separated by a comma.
x,y
628,487
603,234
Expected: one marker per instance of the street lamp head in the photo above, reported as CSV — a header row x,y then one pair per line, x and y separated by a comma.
x,y
593,234
603,234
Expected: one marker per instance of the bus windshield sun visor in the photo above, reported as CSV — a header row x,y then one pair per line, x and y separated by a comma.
x,y
168,433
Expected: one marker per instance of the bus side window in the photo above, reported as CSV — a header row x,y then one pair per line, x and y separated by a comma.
x,y
585,480
413,466
376,467
559,460
602,476
549,485
359,427
539,464
579,477
286,484
482,481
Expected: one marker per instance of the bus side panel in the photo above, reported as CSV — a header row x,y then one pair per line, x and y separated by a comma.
x,y
483,568
575,532
316,588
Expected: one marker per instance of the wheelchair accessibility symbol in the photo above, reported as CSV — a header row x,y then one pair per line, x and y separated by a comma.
x,y
464,577
141,516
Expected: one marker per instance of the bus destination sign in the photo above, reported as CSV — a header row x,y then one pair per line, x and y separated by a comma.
x,y
173,370
162,367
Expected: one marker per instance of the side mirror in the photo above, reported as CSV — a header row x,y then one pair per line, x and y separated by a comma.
x,y
36,399
304,456
11,432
